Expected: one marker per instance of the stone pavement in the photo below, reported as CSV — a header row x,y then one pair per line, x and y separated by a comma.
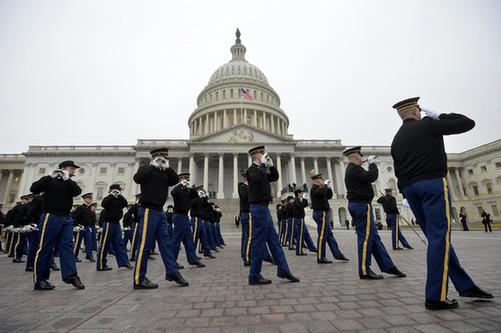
x,y
330,298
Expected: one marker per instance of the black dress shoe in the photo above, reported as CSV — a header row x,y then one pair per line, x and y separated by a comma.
x,y
17,260
75,281
210,255
395,271
198,264
154,253
342,257
43,285
179,266
54,267
289,277
260,281
475,292
199,258
370,276
128,265
106,268
132,259
150,257
29,269
439,305
178,278
90,258
146,284
323,261
270,260
314,251
246,263
78,259
409,248
216,250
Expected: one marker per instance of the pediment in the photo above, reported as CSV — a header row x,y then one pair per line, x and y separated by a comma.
x,y
242,134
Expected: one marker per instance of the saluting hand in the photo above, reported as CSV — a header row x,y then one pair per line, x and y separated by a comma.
x,y
430,113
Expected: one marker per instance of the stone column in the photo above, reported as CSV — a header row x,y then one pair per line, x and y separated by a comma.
x,y
220,185
460,183
225,119
7,187
342,168
452,188
315,164
245,117
24,175
235,176
255,118
206,171
206,127
191,168
273,129
265,125
235,117
179,165
329,170
215,121
1,175
279,181
293,169
249,160
303,171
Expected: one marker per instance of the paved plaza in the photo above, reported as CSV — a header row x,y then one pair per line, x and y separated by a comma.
x,y
330,298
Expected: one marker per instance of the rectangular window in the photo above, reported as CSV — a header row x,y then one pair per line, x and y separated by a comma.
x,y
483,168
498,165
121,171
475,189
102,171
488,186
495,211
100,192
470,171
41,171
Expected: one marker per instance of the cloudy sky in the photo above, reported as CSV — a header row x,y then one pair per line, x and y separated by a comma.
x,y
110,72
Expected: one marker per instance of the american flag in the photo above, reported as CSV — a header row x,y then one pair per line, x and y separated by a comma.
x,y
245,94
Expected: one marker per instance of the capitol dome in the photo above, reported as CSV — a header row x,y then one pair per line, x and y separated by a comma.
x,y
237,93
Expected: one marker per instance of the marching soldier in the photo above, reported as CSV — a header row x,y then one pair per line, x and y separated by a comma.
x,y
170,228
259,175
390,208
183,194
290,222
113,205
219,235
128,225
320,194
155,180
135,218
84,217
302,235
358,183
56,226
198,213
21,220
421,168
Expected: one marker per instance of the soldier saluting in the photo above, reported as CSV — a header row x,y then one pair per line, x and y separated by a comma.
x,y
56,226
358,183
155,180
389,203
421,168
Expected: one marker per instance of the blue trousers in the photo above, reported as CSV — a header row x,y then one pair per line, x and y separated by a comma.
x,y
368,240
170,231
288,232
54,230
135,241
325,236
303,237
294,231
34,240
93,235
112,233
219,235
77,242
396,234
245,244
281,231
430,202
128,234
200,234
19,246
210,234
87,238
153,226
182,234
264,233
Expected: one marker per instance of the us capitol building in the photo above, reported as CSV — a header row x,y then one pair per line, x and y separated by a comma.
x,y
222,128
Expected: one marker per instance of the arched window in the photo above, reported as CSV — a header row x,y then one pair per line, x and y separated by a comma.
x,y
393,185
231,93
224,94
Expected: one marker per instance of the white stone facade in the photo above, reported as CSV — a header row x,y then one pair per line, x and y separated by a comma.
x,y
222,129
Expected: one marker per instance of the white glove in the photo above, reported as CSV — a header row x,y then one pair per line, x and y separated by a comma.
x,y
430,113
269,161
371,159
10,228
201,194
126,229
115,193
55,173
16,230
98,229
34,227
156,162
405,203
263,158
23,230
185,183
305,196
327,182
65,175
27,228
164,164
